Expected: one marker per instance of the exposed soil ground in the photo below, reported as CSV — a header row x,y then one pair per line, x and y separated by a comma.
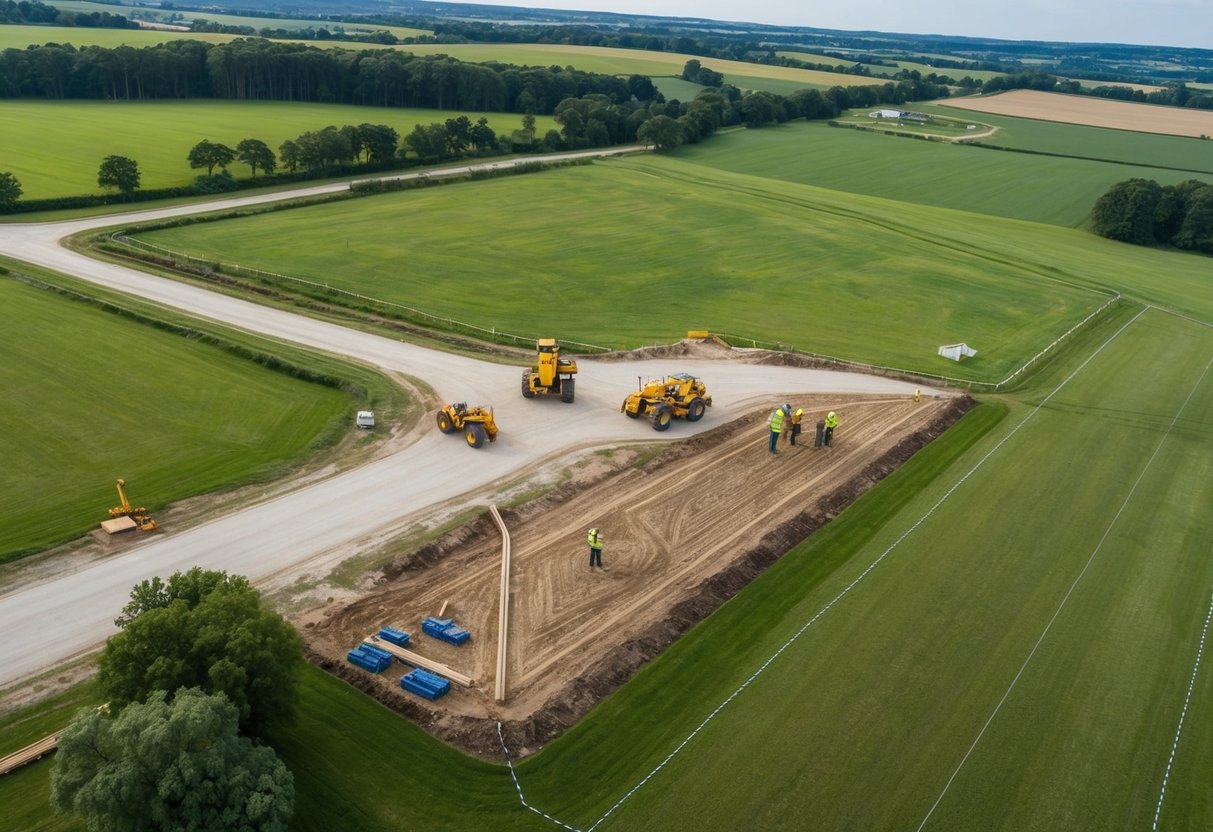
x,y
1094,112
684,532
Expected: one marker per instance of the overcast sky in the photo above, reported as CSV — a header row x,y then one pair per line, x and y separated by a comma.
x,y
1156,22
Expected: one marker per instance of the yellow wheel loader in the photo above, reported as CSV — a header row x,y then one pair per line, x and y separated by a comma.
x,y
682,396
551,375
476,423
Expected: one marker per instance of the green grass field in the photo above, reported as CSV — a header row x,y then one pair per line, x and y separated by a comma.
x,y
159,134
818,270
19,37
91,397
1188,156
185,15
1021,186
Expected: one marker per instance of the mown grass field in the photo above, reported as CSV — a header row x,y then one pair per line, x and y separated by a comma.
x,y
91,396
1037,188
817,269
19,37
159,134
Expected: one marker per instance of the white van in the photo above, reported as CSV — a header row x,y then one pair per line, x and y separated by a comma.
x,y
366,419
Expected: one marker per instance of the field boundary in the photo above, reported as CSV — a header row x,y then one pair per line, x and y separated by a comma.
x,y
1204,632
833,601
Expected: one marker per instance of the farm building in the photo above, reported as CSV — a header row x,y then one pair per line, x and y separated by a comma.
x,y
900,115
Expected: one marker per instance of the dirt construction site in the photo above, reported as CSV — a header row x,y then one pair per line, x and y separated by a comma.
x,y
684,531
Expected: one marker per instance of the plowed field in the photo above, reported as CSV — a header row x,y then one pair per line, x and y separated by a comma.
x,y
683,533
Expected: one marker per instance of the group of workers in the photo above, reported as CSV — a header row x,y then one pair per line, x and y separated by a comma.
x,y
784,420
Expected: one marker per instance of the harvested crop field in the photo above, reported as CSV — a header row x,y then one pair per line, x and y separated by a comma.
x,y
684,532
1093,112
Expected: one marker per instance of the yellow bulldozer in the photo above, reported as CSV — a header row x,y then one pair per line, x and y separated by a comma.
x,y
476,423
551,375
681,395
136,516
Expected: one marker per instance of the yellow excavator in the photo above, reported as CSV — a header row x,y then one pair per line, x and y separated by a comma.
x,y
678,395
551,375
139,515
476,423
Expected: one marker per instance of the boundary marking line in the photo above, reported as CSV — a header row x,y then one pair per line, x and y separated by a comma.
x,y
1183,713
1065,598
795,636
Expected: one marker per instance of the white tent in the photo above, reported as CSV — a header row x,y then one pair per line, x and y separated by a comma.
x,y
957,351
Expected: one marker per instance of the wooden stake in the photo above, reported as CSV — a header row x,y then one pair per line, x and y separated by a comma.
x,y
503,613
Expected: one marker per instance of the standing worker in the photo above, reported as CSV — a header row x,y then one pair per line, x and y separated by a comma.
x,y
595,539
796,424
776,424
831,423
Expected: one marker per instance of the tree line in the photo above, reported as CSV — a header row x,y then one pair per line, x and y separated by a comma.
x,y
257,69
32,12
1142,212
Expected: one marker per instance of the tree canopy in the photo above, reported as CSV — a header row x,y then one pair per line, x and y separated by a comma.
x,y
209,155
164,765
119,172
207,630
10,189
1142,212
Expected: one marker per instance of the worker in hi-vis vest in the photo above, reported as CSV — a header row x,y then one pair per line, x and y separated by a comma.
x,y
831,423
595,539
796,417
776,424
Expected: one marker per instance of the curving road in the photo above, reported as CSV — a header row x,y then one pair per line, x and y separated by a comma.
x,y
46,623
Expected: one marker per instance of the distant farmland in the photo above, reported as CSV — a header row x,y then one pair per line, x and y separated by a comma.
x,y
1095,112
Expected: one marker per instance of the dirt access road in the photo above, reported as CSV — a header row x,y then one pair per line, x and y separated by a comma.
x,y
50,621
683,533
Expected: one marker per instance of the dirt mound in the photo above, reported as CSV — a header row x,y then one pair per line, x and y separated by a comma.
x,y
675,551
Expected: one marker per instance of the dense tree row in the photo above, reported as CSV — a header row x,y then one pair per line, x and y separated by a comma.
x,y
1143,212
31,11
264,70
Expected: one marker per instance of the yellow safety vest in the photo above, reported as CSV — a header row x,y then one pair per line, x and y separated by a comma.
x,y
832,421
777,420
595,540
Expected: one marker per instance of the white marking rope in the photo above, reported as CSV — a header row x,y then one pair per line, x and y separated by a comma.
x,y
1065,598
1183,714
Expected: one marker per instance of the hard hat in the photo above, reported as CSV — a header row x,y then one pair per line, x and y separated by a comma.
x,y
800,410
787,408
832,414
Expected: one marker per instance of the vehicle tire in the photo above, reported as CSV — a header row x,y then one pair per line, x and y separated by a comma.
x,y
567,390
663,414
696,409
444,422
527,392
475,434
641,407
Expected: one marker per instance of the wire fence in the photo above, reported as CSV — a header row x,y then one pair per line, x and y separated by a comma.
x,y
412,313
501,337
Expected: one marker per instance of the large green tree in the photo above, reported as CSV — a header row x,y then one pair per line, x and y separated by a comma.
x,y
1128,211
208,630
10,190
257,155
119,172
210,155
662,132
162,765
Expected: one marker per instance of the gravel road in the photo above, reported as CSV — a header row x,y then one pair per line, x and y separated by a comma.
x,y
46,623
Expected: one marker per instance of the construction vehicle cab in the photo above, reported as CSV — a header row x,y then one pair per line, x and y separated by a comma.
x,y
476,423
138,515
681,395
551,374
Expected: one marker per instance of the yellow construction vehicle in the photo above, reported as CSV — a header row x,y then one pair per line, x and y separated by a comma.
x,y
476,423
678,395
551,375
139,515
